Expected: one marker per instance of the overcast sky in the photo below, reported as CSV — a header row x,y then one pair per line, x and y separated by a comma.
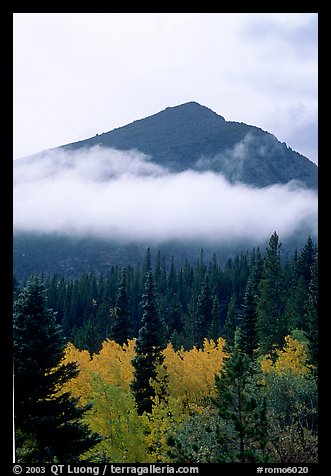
x,y
79,74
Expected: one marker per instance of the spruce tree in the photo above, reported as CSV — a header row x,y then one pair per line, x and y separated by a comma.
x,y
16,288
256,269
230,323
242,436
88,337
306,260
248,321
271,323
248,324
160,274
204,315
311,313
42,416
299,288
174,314
147,266
215,326
121,328
149,347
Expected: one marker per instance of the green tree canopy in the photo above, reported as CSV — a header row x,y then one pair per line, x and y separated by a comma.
x,y
50,420
149,346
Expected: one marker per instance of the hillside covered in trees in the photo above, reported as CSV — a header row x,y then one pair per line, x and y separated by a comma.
x,y
192,136
181,363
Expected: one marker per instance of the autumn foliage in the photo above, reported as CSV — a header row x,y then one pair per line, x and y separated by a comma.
x,y
292,358
105,381
188,365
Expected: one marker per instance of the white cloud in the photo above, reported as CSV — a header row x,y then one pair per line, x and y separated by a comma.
x,y
122,195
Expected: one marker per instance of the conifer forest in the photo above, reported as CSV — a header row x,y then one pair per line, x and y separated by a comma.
x,y
202,362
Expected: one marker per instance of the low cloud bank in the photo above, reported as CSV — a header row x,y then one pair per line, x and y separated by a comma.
x,y
109,193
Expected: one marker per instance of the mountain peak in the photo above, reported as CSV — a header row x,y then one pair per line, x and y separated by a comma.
x,y
190,111
186,115
192,136
192,107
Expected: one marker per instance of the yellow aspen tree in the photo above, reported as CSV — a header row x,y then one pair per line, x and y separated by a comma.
x,y
192,373
113,363
166,418
80,385
292,358
105,381
115,418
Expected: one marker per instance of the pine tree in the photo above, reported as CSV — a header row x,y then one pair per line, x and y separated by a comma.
x,y
215,326
243,435
16,288
147,266
42,416
174,315
88,336
299,287
230,324
256,271
204,315
311,313
66,323
306,260
160,274
248,325
121,328
248,322
271,323
149,346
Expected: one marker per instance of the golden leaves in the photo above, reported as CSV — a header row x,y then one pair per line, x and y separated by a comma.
x,y
292,358
104,380
192,372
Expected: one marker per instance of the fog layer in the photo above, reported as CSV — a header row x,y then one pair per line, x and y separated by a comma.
x,y
124,195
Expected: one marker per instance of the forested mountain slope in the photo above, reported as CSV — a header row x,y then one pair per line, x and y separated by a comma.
x,y
191,136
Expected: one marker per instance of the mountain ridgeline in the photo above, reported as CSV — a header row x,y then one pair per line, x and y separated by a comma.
x,y
181,138
191,136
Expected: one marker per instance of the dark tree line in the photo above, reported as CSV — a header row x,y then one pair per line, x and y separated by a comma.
x,y
254,291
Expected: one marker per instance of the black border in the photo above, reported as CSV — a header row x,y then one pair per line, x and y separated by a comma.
x,y
6,28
